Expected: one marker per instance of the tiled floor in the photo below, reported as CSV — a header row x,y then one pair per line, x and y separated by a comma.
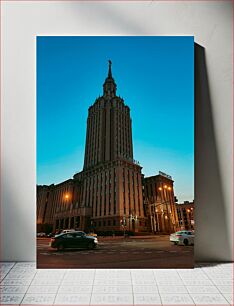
x,y
207,284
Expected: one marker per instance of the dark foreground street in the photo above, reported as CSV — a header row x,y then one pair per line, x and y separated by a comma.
x,y
138,252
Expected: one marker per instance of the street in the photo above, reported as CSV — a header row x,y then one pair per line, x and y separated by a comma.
x,y
117,252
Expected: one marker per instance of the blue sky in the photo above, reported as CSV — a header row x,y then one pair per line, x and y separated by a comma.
x,y
154,75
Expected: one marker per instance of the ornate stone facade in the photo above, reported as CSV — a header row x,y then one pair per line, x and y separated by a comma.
x,y
160,203
107,195
185,212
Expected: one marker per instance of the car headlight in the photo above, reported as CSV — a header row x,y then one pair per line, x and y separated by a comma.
x,y
95,240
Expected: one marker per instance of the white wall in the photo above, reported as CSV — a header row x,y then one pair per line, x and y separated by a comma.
x,y
210,22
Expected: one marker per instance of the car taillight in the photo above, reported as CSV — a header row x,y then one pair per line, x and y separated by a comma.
x,y
178,235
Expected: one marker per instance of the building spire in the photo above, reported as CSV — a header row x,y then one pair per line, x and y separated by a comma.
x,y
109,71
109,87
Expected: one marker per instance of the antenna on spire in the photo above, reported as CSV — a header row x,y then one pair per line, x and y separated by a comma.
x,y
109,71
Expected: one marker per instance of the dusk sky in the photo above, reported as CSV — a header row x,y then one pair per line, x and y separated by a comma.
x,y
154,75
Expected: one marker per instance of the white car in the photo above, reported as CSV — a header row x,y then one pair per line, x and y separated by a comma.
x,y
41,234
65,231
183,237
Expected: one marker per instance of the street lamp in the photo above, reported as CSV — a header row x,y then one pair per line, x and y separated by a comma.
x,y
131,217
156,226
123,223
165,189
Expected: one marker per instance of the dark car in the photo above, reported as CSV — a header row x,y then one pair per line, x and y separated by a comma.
x,y
73,240
50,235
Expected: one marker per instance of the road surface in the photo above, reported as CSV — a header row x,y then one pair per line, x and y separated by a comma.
x,y
138,252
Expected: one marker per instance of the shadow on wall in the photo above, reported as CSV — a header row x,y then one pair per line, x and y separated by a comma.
x,y
107,16
18,225
210,215
212,232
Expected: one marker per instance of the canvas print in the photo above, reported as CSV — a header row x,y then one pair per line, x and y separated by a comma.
x,y
115,152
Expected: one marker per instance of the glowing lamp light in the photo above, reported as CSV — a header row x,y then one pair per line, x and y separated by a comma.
x,y
165,186
160,188
66,196
169,188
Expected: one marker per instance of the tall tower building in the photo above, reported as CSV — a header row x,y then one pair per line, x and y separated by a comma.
x,y
110,193
109,127
111,179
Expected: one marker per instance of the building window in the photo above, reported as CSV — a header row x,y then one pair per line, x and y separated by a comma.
x,y
96,212
151,186
133,192
124,192
100,212
100,206
110,205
